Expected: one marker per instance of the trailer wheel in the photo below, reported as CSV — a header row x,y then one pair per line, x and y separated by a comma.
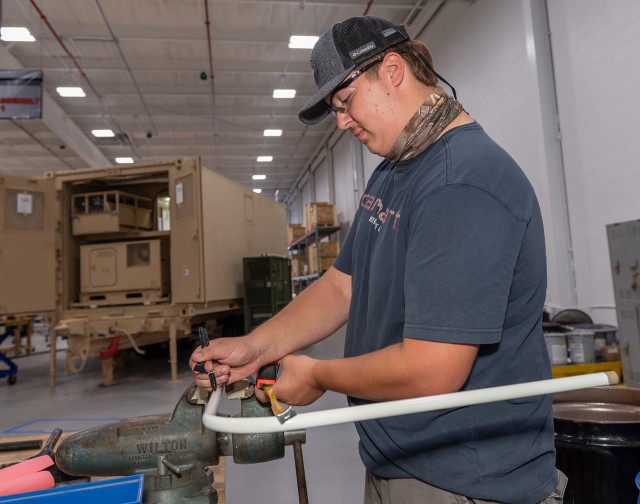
x,y
12,379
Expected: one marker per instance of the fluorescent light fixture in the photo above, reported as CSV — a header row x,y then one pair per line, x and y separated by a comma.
x,y
256,190
274,132
302,41
70,92
124,160
258,177
103,133
284,93
16,34
264,159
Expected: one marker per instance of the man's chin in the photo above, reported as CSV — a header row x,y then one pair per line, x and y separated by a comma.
x,y
373,150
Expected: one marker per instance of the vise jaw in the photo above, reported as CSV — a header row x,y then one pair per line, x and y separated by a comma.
x,y
175,452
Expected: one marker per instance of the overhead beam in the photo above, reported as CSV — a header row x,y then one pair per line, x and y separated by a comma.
x,y
64,64
188,111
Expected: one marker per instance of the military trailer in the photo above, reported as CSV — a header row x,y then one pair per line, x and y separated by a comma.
x,y
125,257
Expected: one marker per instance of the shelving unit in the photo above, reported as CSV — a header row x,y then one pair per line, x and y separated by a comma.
x,y
301,246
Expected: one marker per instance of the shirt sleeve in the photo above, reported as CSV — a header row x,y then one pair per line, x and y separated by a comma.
x,y
343,262
463,246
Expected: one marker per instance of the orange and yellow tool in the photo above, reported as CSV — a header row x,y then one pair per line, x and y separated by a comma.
x,y
265,380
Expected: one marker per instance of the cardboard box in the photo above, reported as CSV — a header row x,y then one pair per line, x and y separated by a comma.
x,y
611,352
327,248
295,231
319,214
299,266
328,254
326,263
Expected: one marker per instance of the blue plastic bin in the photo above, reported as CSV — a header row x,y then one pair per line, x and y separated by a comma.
x,y
124,490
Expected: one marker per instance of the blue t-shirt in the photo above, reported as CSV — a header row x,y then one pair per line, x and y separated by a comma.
x,y
449,247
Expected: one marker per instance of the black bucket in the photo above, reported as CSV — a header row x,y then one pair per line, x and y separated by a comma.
x,y
597,438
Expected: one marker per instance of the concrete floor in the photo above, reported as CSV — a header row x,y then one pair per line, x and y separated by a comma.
x,y
333,468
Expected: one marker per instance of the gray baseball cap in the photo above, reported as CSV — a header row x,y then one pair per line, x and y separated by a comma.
x,y
341,49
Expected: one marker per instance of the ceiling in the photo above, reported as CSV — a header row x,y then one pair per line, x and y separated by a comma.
x,y
151,76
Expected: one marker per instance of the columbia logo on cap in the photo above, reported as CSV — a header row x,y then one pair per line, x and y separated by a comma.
x,y
362,49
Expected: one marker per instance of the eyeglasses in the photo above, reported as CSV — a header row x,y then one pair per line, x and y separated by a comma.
x,y
341,103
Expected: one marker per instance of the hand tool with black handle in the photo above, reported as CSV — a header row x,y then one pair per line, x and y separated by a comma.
x,y
199,367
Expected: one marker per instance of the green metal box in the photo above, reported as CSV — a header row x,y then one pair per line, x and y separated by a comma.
x,y
267,288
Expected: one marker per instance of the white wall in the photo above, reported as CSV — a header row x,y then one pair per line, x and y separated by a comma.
x,y
597,60
566,109
344,169
369,162
494,55
321,182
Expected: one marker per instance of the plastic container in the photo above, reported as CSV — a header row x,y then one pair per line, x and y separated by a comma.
x,y
581,346
604,335
557,348
124,490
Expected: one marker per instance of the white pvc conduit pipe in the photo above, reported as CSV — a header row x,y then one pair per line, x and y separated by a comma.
x,y
261,425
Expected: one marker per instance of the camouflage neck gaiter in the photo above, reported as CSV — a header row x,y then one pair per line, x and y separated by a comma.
x,y
433,116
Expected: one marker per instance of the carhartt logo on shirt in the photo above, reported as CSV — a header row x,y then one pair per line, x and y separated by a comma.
x,y
380,213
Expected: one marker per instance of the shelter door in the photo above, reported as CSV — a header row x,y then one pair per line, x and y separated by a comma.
x,y
27,245
187,275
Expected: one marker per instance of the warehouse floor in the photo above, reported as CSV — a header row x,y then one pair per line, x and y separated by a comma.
x,y
333,468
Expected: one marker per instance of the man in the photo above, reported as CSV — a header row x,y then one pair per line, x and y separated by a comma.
x,y
442,280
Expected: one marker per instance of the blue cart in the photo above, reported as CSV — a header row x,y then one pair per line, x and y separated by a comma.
x,y
13,369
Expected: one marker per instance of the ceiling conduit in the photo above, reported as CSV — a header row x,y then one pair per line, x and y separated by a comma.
x,y
212,76
154,129
82,73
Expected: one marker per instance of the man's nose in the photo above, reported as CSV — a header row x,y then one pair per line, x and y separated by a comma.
x,y
342,120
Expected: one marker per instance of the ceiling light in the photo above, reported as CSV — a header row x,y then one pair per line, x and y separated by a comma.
x,y
124,160
103,133
70,92
302,41
256,190
274,132
258,177
264,159
16,34
284,93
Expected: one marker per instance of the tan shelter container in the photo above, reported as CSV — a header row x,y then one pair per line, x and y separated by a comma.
x,y
129,256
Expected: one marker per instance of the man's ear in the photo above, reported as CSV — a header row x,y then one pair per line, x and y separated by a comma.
x,y
394,68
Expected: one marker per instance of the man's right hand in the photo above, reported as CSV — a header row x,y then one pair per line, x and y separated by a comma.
x,y
231,359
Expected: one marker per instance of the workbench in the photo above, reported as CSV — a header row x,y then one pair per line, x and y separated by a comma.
x,y
18,456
